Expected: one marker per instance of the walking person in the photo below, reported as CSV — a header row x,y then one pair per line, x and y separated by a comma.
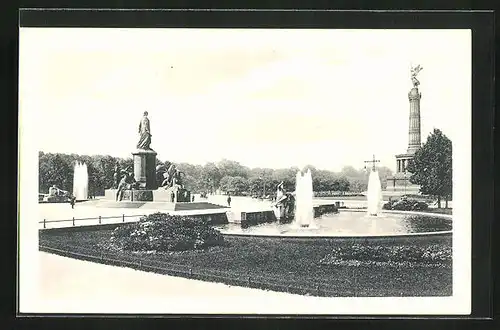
x,y
229,200
72,201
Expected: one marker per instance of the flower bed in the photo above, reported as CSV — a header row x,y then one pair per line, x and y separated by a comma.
x,y
430,255
406,205
163,232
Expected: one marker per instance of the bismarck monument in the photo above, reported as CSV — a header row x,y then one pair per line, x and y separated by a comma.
x,y
400,182
147,181
145,157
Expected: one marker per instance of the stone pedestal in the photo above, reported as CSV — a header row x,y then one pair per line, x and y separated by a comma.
x,y
180,195
145,168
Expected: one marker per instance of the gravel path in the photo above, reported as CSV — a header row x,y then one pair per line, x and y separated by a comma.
x,y
73,286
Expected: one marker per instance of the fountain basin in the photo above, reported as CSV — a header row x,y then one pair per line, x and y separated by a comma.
x,y
353,224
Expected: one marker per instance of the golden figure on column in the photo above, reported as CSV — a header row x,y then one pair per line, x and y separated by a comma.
x,y
414,121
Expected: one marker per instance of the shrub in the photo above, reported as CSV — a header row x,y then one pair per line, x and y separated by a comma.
x,y
163,232
406,205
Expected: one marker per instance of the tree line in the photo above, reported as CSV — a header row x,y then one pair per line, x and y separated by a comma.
x,y
431,168
226,176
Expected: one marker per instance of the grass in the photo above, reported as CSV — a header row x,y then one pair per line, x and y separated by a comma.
x,y
298,263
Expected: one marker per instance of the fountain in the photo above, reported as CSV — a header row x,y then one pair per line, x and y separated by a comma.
x,y
374,193
304,212
80,181
347,223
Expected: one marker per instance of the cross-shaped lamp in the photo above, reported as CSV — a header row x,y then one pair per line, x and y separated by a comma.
x,y
373,163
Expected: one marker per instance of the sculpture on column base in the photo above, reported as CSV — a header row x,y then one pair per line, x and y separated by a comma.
x,y
170,178
126,183
168,175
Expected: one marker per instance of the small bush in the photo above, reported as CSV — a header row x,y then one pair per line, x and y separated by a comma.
x,y
406,205
162,232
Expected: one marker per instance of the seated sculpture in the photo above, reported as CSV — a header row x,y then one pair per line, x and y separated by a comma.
x,y
54,191
126,183
169,176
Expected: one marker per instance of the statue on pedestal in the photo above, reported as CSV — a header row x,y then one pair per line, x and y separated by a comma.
x,y
280,190
144,133
285,203
414,72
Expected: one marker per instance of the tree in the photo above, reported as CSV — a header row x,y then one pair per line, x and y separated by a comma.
x,y
239,184
343,184
234,184
210,177
232,168
255,185
55,169
287,175
225,183
323,180
431,167
192,179
350,171
358,184
384,173
105,165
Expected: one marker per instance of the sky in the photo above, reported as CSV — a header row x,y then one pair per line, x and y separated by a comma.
x,y
266,98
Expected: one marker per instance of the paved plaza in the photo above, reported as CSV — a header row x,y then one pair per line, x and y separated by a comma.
x,y
73,286
90,209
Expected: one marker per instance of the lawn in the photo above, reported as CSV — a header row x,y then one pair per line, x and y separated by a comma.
x,y
442,210
323,267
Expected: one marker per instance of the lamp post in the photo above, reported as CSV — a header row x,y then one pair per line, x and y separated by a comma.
x,y
373,161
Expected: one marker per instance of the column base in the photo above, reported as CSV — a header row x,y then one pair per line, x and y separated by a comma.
x,y
145,168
